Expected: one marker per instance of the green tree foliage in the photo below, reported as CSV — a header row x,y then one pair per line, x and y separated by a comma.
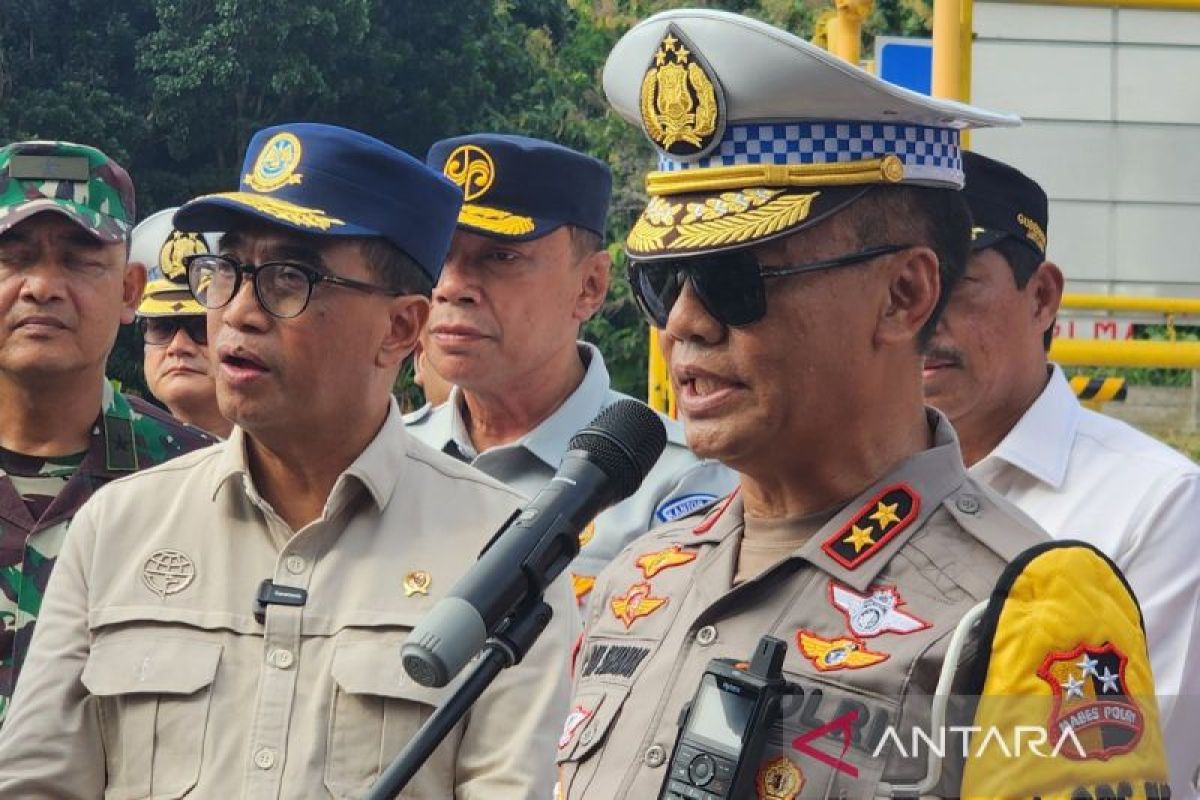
x,y
173,89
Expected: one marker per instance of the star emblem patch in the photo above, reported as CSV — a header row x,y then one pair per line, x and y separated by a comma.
x,y
636,603
830,655
875,613
653,563
875,524
1091,698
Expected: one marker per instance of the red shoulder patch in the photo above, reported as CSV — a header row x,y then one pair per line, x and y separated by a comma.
x,y
876,524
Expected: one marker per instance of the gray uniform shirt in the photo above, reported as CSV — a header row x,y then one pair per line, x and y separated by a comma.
x,y
678,485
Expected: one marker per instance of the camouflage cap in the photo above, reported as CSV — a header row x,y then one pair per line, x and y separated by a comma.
x,y
75,180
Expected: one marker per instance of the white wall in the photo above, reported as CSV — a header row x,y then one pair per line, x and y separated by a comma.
x,y
1111,102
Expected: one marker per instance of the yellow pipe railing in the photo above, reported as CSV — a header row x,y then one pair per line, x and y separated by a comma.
x,y
1128,353
1151,305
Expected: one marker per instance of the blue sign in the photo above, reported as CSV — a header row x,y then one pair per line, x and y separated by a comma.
x,y
905,62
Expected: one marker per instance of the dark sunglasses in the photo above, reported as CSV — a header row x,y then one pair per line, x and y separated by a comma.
x,y
732,286
161,330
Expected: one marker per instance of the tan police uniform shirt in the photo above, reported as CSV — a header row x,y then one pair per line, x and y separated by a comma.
x,y
149,675
866,606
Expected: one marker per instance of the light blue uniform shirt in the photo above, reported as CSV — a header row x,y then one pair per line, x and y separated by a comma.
x,y
678,484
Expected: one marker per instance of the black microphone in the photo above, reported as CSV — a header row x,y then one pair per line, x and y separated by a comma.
x,y
604,464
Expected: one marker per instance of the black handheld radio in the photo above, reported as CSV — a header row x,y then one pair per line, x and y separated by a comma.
x,y
723,729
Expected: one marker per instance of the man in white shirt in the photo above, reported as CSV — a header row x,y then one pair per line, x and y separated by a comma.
x,y
1079,474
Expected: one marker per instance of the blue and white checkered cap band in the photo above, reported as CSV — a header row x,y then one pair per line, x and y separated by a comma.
x,y
930,155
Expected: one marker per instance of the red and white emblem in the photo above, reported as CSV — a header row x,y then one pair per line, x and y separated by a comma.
x,y
1090,698
875,613
575,720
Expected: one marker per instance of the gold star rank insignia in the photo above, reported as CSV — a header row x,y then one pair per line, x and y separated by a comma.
x,y
859,537
653,563
874,525
885,514
830,655
636,603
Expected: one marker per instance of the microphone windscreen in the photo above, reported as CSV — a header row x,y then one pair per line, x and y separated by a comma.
x,y
624,441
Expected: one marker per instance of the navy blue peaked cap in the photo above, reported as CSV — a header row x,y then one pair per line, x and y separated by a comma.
x,y
519,188
330,181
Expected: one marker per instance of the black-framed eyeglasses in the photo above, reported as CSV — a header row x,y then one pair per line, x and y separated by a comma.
x,y
731,286
159,331
283,288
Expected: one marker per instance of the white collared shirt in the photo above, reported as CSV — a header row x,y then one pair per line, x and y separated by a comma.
x,y
1082,475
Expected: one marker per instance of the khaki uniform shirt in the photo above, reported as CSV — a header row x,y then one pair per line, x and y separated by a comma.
x,y
679,483
149,675
669,606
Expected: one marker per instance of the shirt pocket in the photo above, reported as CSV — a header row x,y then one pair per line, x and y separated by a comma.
x,y
594,712
153,695
377,708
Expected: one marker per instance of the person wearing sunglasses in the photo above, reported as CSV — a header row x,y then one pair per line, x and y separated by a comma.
x,y
231,627
1077,472
804,225
526,269
176,360
67,283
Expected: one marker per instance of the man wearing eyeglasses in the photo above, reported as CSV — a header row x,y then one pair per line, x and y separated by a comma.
x,y
526,269
803,226
231,626
179,368
66,285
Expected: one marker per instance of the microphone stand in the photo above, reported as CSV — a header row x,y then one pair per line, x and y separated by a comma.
x,y
505,648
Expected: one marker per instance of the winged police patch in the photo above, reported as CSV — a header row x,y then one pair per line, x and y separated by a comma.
x,y
830,655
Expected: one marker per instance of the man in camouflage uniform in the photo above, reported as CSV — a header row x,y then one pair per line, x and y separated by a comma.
x,y
66,285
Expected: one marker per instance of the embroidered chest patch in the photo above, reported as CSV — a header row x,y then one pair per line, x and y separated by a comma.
x,y
875,613
636,603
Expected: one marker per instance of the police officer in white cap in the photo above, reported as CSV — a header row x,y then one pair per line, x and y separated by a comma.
x,y
176,359
803,228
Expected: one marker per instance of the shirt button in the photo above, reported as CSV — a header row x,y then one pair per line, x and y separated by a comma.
x,y
587,736
967,503
706,636
282,658
296,564
655,756
264,758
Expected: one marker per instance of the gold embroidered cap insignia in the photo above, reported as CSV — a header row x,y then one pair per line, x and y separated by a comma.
x,y
682,102
276,164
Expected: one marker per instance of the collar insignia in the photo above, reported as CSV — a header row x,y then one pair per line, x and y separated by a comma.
x,y
1090,698
586,534
636,603
830,655
706,524
276,164
888,513
875,613
653,563
682,102
779,779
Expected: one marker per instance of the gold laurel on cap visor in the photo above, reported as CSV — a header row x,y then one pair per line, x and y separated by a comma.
x,y
495,222
707,222
171,302
276,208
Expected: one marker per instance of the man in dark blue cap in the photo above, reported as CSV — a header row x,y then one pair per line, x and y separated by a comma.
x,y
526,269
231,627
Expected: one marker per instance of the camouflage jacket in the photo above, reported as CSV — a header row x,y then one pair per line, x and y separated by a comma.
x,y
130,434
